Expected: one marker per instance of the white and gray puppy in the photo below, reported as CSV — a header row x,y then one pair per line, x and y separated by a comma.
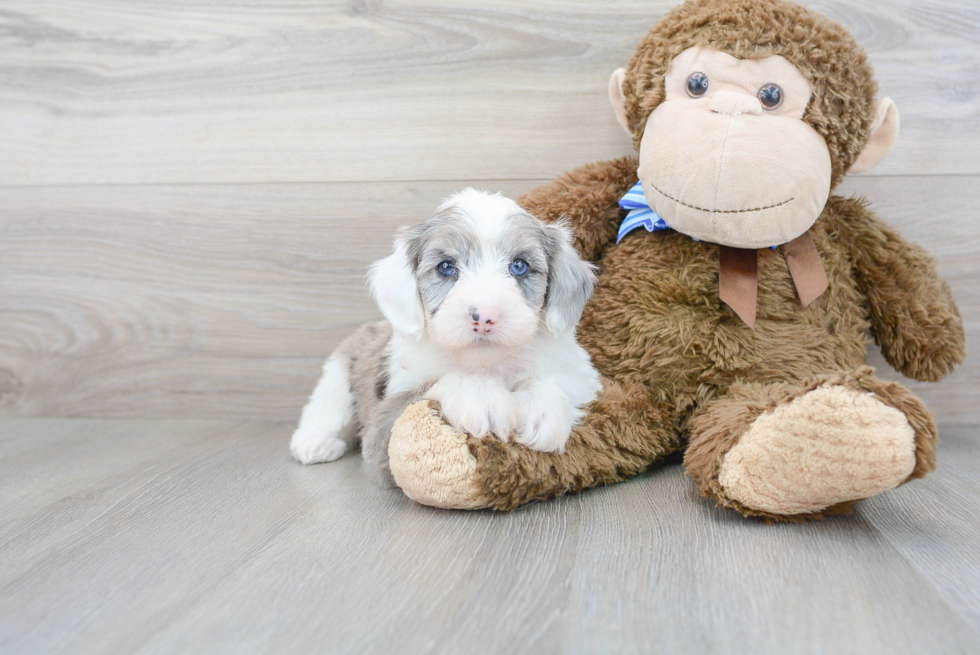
x,y
482,302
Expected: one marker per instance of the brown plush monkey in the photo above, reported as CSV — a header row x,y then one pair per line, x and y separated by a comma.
x,y
745,114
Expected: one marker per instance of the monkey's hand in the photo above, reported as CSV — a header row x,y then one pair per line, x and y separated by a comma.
x,y
913,314
588,198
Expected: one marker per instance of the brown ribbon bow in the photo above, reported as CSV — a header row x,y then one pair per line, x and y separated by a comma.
x,y
738,279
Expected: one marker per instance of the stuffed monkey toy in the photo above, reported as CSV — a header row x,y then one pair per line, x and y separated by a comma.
x,y
736,296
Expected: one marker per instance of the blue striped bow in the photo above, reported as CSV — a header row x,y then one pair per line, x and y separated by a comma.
x,y
640,213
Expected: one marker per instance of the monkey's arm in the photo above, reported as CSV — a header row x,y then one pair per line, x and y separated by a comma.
x,y
625,431
588,197
913,314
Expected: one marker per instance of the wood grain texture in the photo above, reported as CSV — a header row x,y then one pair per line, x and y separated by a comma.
x,y
202,537
123,91
190,194
222,301
139,301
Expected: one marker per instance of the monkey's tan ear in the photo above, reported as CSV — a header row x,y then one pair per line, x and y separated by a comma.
x,y
617,99
884,131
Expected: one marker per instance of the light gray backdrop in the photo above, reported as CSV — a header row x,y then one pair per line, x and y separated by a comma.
x,y
190,192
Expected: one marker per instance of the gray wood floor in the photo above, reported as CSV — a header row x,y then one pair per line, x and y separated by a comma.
x,y
190,194
194,536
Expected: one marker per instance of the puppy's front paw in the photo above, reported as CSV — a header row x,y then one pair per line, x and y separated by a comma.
x,y
479,407
312,446
546,426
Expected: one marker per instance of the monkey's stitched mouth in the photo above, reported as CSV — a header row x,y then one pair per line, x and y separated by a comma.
x,y
720,211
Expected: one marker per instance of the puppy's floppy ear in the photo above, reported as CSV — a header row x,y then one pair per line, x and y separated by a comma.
x,y
570,281
395,290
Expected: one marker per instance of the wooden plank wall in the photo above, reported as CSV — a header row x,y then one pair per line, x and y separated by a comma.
x,y
191,190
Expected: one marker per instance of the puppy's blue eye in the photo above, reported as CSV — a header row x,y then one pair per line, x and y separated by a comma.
x,y
446,269
518,267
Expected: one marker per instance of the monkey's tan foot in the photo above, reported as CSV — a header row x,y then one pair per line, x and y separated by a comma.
x,y
810,449
828,446
431,461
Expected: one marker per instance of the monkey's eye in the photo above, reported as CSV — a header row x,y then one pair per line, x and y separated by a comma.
x,y
697,85
518,268
770,95
446,269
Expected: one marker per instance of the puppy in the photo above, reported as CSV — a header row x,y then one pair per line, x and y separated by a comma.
x,y
481,301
